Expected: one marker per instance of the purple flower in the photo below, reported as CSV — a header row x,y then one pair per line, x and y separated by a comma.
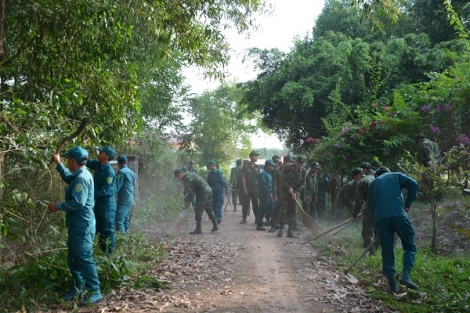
x,y
438,109
309,140
386,108
360,131
345,129
434,129
342,139
337,145
463,139
447,107
344,158
425,108
373,125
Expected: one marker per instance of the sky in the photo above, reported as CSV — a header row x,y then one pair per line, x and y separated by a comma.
x,y
290,19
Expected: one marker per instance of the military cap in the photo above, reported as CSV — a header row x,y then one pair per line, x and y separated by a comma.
x,y
76,153
239,161
211,162
366,165
122,159
191,162
381,170
357,170
269,162
177,172
420,136
108,150
254,153
185,168
315,165
300,158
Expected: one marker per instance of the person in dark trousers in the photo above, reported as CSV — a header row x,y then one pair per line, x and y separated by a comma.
x,y
249,185
390,215
234,184
196,186
80,221
216,180
310,195
104,179
125,187
266,199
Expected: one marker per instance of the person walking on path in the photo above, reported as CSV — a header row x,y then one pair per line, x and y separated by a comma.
x,y
279,199
293,177
390,216
266,199
250,186
105,204
323,188
199,188
310,194
217,182
80,221
234,184
125,187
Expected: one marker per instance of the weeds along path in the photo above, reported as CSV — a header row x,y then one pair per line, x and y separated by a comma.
x,y
239,269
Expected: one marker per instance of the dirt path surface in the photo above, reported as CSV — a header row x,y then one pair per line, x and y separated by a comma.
x,y
239,269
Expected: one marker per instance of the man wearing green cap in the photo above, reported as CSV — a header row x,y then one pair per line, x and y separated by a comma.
x,y
293,177
80,221
199,188
105,203
125,186
250,186
216,180
234,185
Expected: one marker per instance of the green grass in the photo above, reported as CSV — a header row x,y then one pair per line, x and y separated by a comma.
x,y
444,281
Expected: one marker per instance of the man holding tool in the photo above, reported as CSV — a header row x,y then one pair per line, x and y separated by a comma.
x,y
390,216
80,221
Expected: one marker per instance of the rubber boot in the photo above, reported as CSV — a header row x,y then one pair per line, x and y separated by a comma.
x,y
405,279
290,231
392,284
198,229
214,226
281,229
243,219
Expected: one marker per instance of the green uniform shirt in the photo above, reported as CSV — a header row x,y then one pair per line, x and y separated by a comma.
x,y
251,177
360,193
293,178
196,186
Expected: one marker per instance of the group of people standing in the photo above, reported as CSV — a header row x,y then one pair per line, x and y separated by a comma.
x,y
93,204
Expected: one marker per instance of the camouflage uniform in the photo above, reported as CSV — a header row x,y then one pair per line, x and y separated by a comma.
x,y
310,194
323,187
235,185
295,179
279,206
250,174
199,188
428,152
360,198
346,197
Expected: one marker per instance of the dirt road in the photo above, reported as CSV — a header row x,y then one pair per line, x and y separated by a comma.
x,y
239,269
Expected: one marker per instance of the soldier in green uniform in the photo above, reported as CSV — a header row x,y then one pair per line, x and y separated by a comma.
x,y
293,177
346,194
360,203
279,202
197,187
104,179
428,151
80,221
192,167
323,188
310,194
249,184
234,185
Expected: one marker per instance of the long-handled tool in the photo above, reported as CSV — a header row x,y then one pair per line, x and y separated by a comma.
x,y
71,137
349,276
346,222
309,222
228,200
346,226
177,222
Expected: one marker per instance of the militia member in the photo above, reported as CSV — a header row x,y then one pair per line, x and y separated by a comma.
x,y
428,151
279,202
310,195
80,221
323,188
266,199
234,185
346,194
125,186
293,177
250,186
217,182
105,203
199,188
390,216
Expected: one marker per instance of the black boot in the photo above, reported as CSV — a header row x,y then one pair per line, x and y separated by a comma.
x,y
290,231
405,279
214,226
243,219
198,229
392,284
